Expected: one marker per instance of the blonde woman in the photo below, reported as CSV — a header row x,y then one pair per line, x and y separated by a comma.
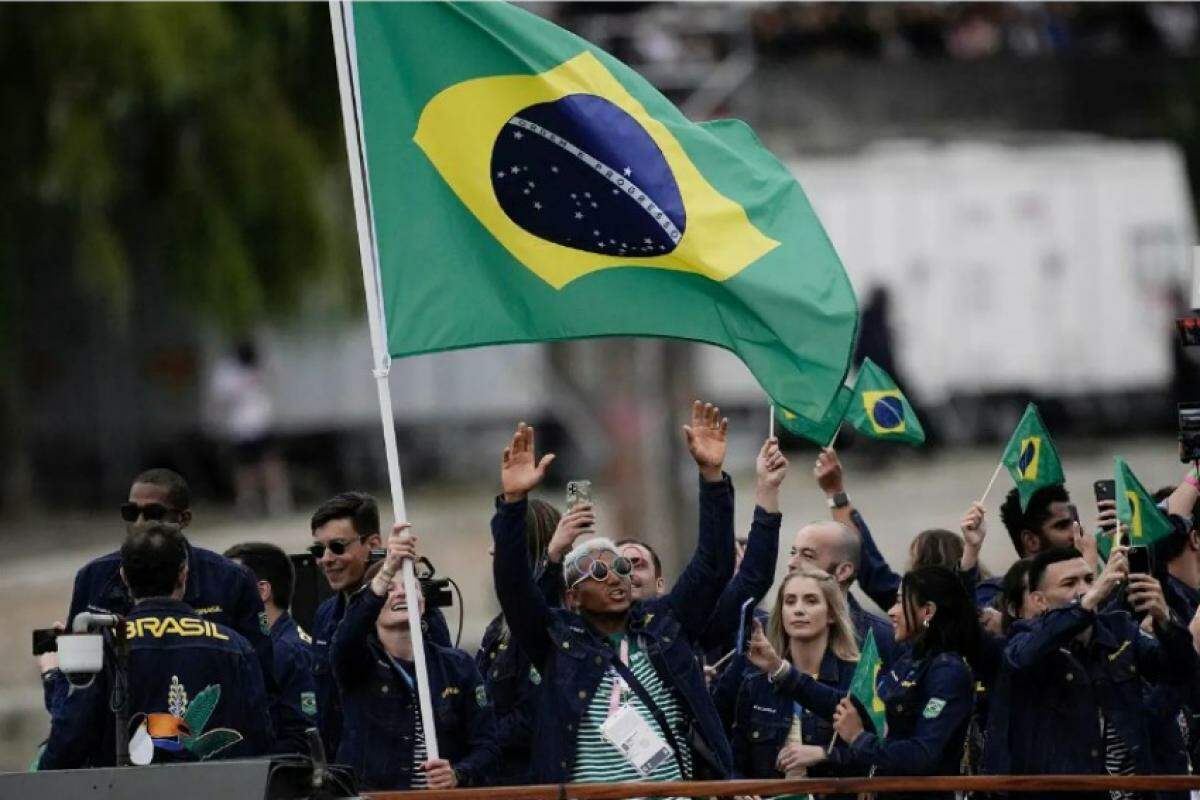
x,y
771,734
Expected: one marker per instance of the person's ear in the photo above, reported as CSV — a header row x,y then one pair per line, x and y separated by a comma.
x,y
1031,541
843,572
931,609
660,584
185,517
571,596
1038,599
374,541
264,592
1194,539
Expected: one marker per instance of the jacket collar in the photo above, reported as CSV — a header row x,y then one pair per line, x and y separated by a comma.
x,y
284,624
158,605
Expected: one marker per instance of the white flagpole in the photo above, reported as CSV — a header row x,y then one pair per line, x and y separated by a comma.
x,y
345,51
771,421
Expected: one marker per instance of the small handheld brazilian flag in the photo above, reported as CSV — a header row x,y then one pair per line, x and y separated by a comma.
x,y
863,684
880,410
1030,456
1137,509
820,432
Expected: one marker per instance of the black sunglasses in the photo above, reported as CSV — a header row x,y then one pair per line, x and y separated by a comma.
x,y
151,511
337,547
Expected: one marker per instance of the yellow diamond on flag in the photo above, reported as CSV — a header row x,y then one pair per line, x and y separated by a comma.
x,y
458,131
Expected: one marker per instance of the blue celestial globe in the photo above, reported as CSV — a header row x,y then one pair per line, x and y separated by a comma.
x,y
582,173
888,412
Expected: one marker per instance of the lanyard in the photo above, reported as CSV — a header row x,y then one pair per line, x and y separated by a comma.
x,y
618,685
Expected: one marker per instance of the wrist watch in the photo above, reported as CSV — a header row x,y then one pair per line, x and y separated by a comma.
x,y
838,500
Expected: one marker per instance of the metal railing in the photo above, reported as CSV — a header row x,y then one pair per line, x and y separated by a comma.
x,y
773,788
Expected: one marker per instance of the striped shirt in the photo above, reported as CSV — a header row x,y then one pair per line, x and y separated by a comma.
x,y
598,761
420,754
1117,758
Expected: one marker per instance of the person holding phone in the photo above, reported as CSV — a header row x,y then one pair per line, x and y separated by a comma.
x,y
810,629
622,695
1075,663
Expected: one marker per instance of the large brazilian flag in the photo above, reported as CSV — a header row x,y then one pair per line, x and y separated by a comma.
x,y
526,186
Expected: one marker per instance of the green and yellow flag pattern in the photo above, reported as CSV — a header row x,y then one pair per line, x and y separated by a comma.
x,y
527,186
1137,509
1030,456
880,410
864,684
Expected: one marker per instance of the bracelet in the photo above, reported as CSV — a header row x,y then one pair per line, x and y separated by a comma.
x,y
777,674
1193,480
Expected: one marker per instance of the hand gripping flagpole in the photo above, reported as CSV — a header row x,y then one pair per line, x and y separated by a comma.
x,y
345,54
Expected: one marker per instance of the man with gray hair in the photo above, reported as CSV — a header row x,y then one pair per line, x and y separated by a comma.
x,y
833,547
618,671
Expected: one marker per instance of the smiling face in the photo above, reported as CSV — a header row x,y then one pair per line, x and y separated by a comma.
x,y
394,614
805,612
609,596
643,583
344,572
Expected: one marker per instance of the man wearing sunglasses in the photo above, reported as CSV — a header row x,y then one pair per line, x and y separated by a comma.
x,y
345,529
609,662
218,589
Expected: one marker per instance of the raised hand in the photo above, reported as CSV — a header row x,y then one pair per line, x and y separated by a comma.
x,y
1115,571
828,472
401,545
760,651
519,471
770,468
974,526
573,524
1145,594
706,439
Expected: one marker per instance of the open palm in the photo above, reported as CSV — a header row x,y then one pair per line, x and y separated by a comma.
x,y
706,437
519,471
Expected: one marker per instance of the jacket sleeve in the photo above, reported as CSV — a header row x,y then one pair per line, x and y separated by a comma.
x,y
75,728
1041,637
483,750
295,679
552,584
817,697
695,594
248,617
79,596
752,580
349,652
875,575
257,731
922,753
1168,656
725,690
521,600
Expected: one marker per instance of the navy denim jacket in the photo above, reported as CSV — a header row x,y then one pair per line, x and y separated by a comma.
x,y
294,669
759,718
219,590
572,658
170,645
380,709
1045,715
329,702
928,703
753,579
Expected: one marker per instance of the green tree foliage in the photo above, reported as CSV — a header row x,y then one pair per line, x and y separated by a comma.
x,y
201,141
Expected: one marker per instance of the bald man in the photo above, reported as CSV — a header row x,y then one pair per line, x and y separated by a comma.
x,y
835,548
